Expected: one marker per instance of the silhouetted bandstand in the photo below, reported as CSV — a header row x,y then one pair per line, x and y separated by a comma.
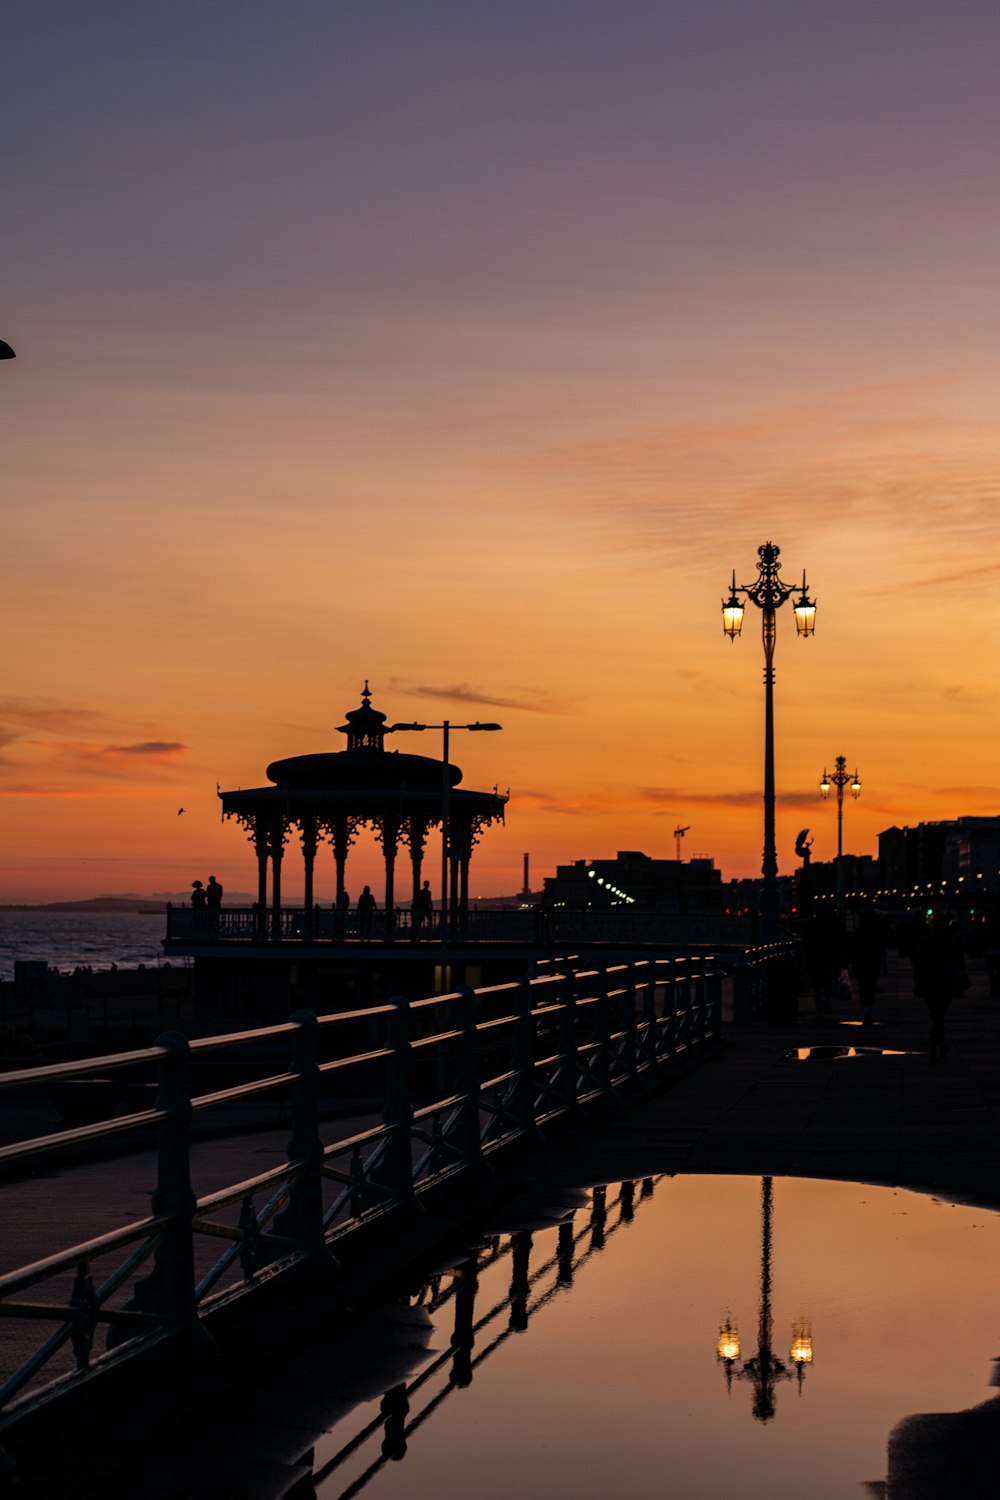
x,y
328,798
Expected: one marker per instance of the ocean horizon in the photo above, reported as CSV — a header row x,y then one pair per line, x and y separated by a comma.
x,y
66,940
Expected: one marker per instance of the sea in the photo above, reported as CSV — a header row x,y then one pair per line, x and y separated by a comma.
x,y
66,940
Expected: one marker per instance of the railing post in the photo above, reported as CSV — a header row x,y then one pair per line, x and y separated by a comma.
x,y
668,1046
742,1002
524,1091
699,1015
469,1083
464,1335
714,1000
598,1217
169,1289
648,1045
683,1004
302,1218
520,1284
566,1246
568,1065
394,1410
398,1112
601,1034
174,1194
630,1056
626,1202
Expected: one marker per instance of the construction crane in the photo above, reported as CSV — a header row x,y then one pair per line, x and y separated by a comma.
x,y
678,835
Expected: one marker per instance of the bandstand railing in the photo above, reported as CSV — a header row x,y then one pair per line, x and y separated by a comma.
x,y
461,1076
536,926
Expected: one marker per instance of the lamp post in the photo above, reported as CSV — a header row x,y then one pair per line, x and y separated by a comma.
x,y
447,727
764,1369
840,779
768,592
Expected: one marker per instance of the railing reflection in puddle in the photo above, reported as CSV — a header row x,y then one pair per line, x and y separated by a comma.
x,y
409,1404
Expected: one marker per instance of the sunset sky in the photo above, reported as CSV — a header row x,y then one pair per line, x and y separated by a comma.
x,y
467,347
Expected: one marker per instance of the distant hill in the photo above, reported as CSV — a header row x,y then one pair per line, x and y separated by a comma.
x,y
157,902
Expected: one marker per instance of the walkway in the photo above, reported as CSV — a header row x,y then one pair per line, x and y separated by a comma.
x,y
890,1119
887,1117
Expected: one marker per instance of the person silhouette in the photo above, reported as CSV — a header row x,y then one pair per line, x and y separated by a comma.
x,y
867,950
423,906
366,910
213,892
198,897
823,950
939,977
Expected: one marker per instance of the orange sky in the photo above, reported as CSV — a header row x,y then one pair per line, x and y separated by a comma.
x,y
473,367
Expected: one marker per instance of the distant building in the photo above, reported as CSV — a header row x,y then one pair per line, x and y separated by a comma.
x,y
952,852
692,887
862,877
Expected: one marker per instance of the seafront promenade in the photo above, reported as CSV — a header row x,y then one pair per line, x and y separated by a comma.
x,y
787,1100
784,1100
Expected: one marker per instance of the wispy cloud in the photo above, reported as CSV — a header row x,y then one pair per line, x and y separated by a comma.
x,y
639,799
59,792
44,715
147,747
679,799
527,700
922,476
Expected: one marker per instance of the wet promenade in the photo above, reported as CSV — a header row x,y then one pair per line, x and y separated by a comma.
x,y
774,1101
884,1116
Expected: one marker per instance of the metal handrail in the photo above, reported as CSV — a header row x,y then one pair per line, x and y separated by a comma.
x,y
572,1038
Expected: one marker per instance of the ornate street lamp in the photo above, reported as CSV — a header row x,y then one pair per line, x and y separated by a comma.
x,y
764,1370
769,592
840,779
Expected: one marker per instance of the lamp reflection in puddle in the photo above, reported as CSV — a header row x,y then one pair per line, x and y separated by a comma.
x,y
764,1369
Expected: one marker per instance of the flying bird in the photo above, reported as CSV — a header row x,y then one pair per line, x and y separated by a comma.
x,y
179,811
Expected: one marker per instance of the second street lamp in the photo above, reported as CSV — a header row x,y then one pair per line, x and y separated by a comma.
x,y
840,779
769,592
447,726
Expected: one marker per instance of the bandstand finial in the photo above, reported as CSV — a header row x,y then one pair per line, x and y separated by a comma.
x,y
367,692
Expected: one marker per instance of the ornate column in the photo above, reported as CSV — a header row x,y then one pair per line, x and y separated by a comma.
x,y
262,845
277,842
387,832
307,825
461,844
343,830
415,832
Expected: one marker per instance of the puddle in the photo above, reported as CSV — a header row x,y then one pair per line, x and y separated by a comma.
x,y
711,1338
825,1054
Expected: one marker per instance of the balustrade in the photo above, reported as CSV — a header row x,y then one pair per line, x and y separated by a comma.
x,y
558,927
466,1075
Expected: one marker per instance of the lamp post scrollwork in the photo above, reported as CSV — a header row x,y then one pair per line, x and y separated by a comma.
x,y
768,592
764,1369
841,778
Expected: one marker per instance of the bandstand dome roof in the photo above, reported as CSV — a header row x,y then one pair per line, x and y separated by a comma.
x,y
349,771
365,765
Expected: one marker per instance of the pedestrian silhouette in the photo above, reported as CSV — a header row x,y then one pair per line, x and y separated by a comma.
x,y
198,897
213,892
823,950
867,950
939,977
423,906
366,910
